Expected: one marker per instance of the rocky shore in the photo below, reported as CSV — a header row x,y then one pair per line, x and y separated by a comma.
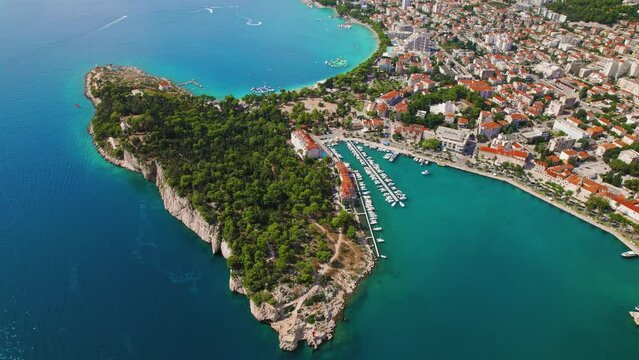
x,y
296,312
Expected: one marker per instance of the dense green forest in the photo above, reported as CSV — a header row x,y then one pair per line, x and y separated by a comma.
x,y
235,166
601,11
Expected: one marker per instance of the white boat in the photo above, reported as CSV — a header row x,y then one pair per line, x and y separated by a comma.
x,y
394,203
425,172
629,254
382,256
380,240
379,228
402,204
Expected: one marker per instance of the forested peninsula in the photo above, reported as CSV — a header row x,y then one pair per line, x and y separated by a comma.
x,y
225,169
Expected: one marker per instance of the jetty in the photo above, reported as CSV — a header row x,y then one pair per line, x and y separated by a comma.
x,y
394,195
191,82
368,220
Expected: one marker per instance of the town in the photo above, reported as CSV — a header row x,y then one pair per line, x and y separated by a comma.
x,y
511,90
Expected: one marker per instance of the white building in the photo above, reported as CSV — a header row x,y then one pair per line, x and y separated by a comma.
x,y
549,71
555,108
304,145
631,86
629,156
573,131
443,108
453,139
560,143
418,41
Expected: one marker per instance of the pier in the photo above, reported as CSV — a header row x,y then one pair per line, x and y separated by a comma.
x,y
373,172
191,82
368,220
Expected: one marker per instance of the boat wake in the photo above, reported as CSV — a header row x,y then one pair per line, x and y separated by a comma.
x,y
250,22
210,9
106,26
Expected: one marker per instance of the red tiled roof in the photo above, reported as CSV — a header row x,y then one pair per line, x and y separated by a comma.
x,y
306,139
516,154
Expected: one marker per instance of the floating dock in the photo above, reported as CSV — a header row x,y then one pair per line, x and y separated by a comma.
x,y
368,221
372,171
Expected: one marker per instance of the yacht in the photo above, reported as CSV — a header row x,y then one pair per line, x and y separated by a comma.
x,y
425,172
629,254
379,228
380,240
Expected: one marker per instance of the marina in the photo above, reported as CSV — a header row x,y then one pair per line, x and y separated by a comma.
x,y
383,182
369,213
391,156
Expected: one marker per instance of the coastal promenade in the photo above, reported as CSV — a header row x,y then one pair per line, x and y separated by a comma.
x,y
461,166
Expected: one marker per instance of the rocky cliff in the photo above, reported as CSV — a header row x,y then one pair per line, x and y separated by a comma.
x,y
296,312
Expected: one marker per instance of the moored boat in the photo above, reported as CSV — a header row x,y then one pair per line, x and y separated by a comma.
x,y
629,254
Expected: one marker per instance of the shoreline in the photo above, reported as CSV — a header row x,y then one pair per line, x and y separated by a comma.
x,y
629,244
291,328
378,43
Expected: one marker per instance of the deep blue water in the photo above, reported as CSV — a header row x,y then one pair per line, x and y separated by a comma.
x,y
92,266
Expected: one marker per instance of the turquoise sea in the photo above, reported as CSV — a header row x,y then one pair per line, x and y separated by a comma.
x,y
92,266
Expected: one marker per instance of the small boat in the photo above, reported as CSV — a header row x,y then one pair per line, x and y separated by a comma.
x,y
77,106
394,203
637,307
629,254
383,256
380,240
379,228
402,204
425,172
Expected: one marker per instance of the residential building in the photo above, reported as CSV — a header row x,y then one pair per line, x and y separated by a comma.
x,y
304,145
629,156
570,129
